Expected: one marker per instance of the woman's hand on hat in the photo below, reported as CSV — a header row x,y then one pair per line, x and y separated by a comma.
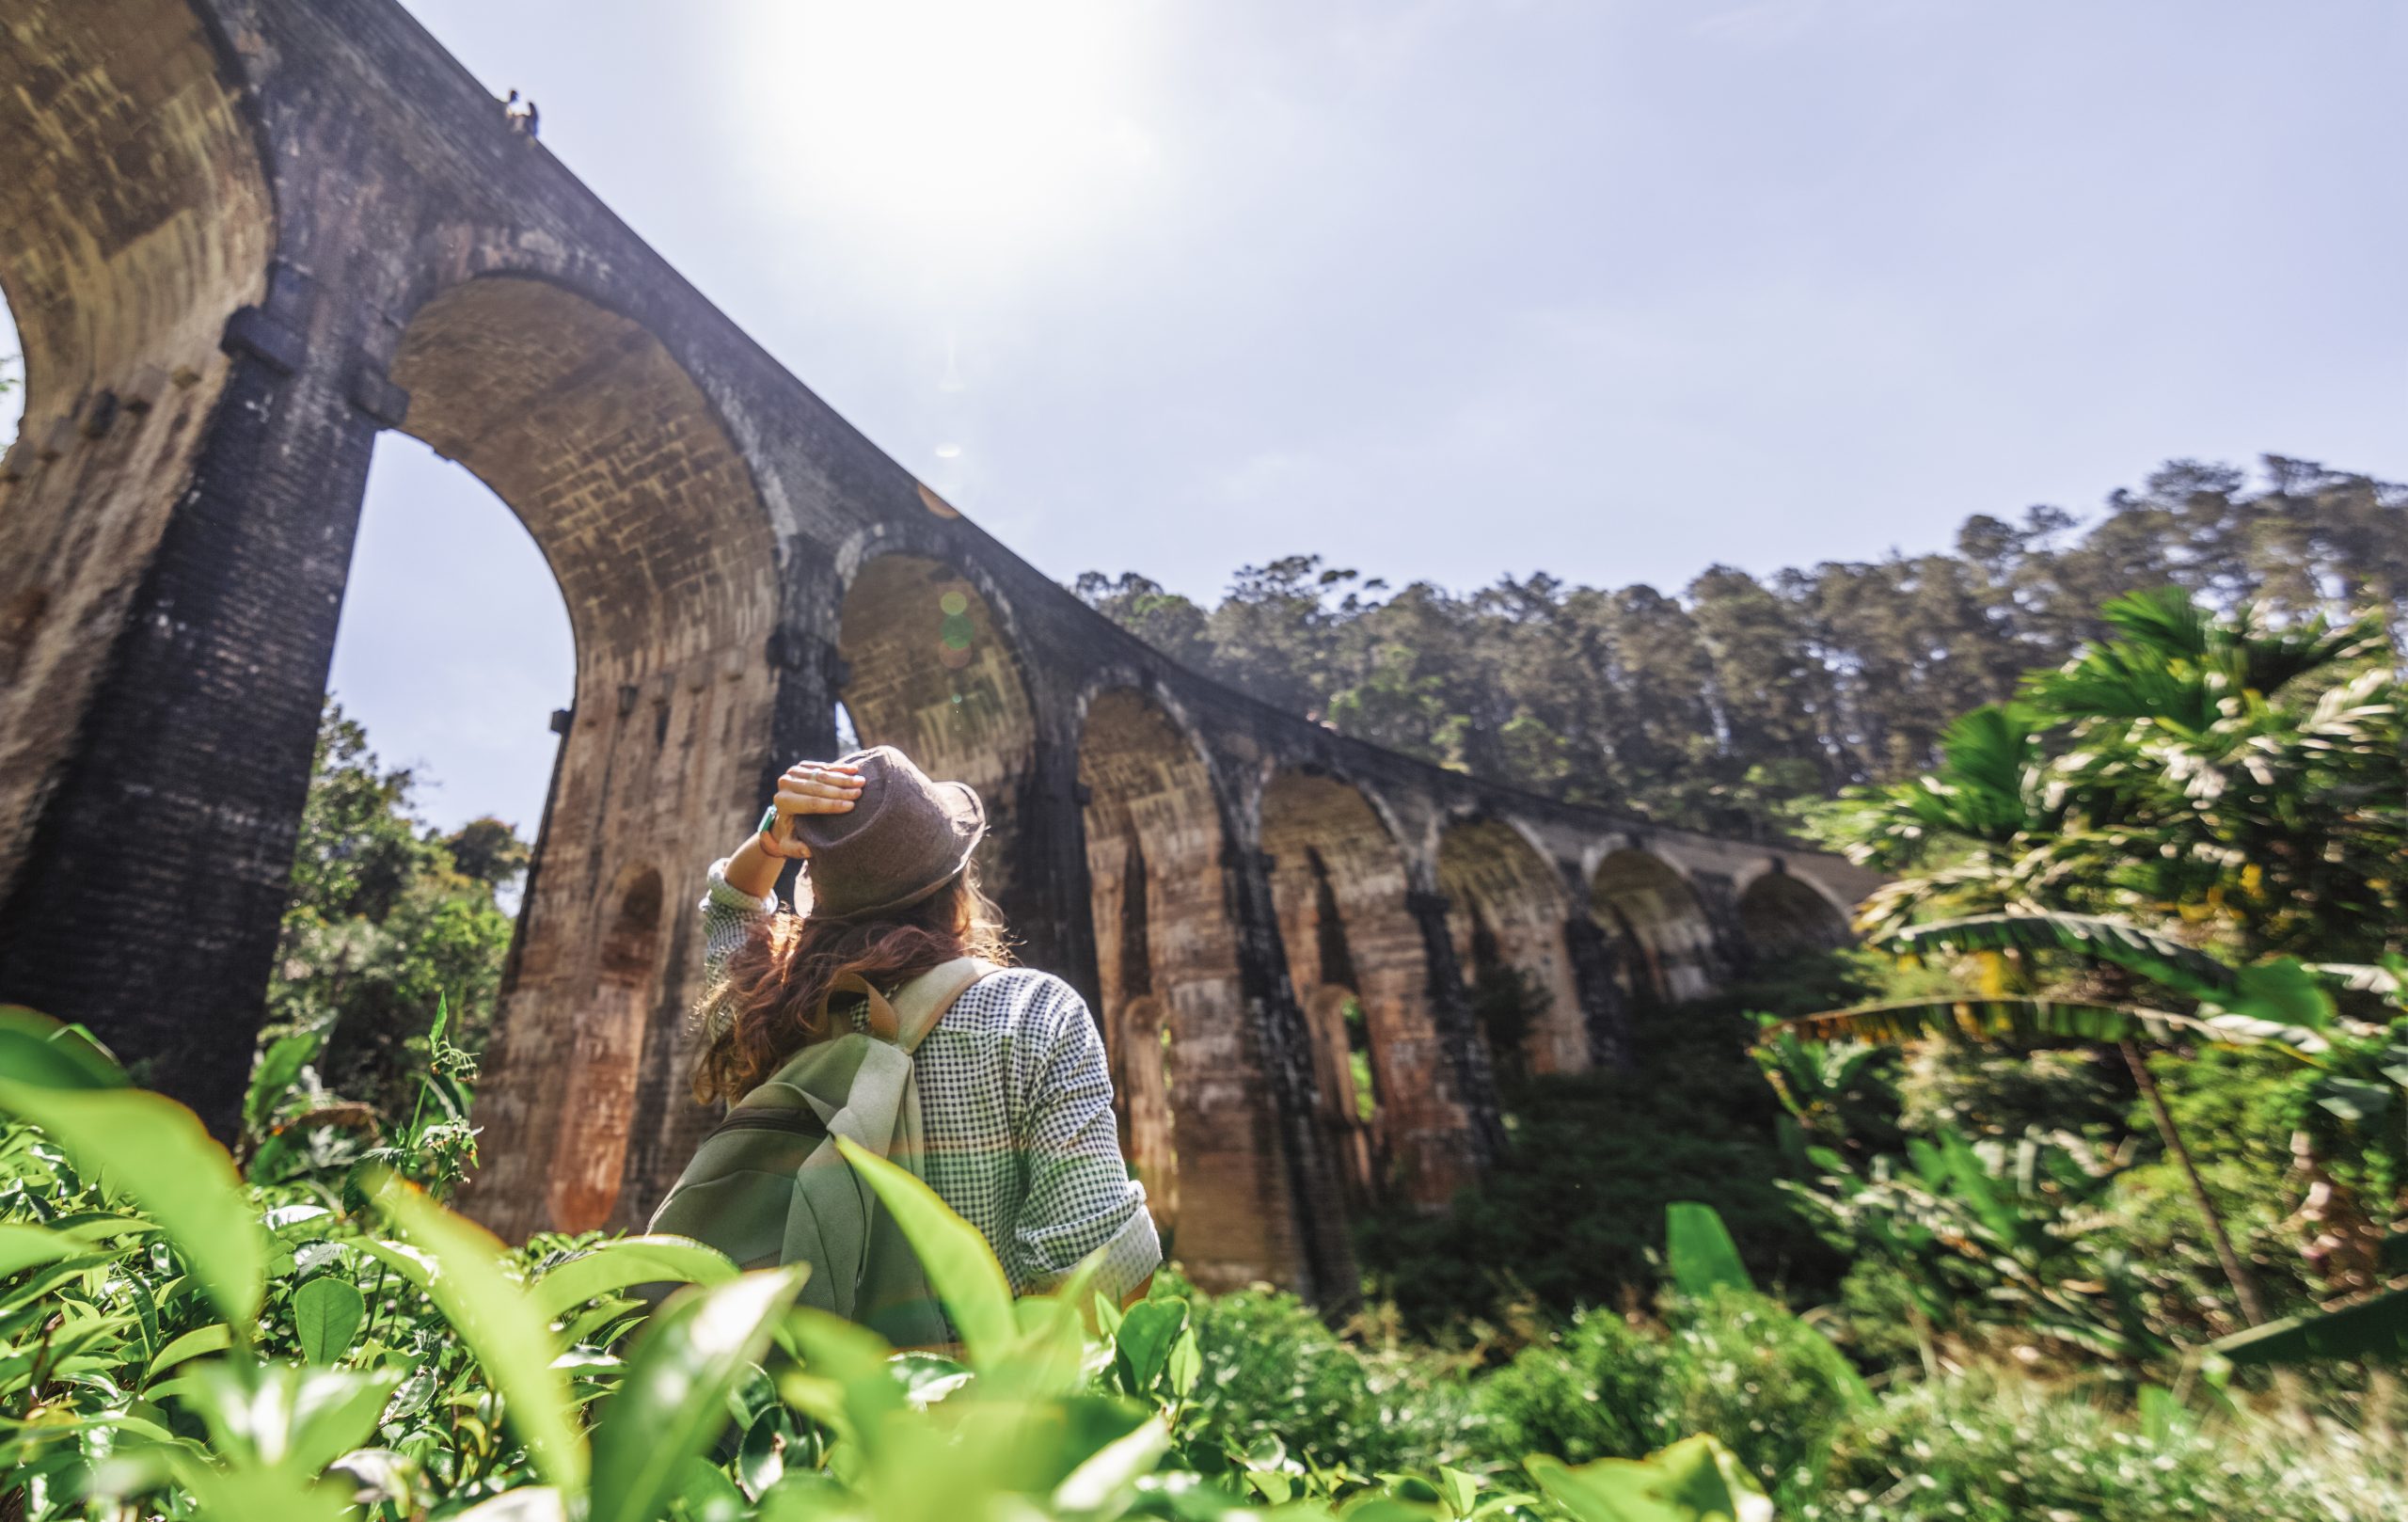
x,y
808,787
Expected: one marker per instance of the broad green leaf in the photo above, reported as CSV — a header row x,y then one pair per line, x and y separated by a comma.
x,y
217,1338
1106,1474
961,1267
1147,1332
41,1052
1185,1365
298,1419
1698,1251
327,1313
527,1503
1459,1490
252,1494
21,1247
704,1493
614,1266
461,1267
2353,1100
2374,1327
674,1401
807,1496
155,1153
2281,992
1695,1480
278,1065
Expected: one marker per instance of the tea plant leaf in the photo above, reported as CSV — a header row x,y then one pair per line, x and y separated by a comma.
x,y
1695,1480
614,1266
39,1051
1105,1475
156,1153
1149,1330
23,1246
278,1065
461,1267
1698,1251
216,1339
675,1400
529,1503
961,1267
327,1313
251,1492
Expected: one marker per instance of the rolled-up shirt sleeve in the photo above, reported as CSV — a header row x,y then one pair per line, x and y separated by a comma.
x,y
1080,1198
728,917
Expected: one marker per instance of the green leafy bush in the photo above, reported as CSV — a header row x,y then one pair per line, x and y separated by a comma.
x,y
1596,1388
2000,1448
1742,1367
1274,1369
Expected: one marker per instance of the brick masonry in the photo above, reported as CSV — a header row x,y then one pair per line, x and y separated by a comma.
x,y
243,237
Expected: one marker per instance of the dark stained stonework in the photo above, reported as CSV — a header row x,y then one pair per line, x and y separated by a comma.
x,y
241,237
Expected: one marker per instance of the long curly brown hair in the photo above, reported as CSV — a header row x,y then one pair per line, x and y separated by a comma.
x,y
771,994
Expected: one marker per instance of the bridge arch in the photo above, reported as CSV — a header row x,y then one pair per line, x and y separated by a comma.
x,y
1506,911
928,665
584,424
1361,971
1782,916
1159,855
136,218
1657,926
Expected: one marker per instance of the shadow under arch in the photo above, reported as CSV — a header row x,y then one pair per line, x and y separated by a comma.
x,y
1506,911
1659,929
583,423
1358,960
1782,916
136,218
930,669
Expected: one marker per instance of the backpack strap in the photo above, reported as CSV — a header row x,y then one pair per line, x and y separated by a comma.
x,y
923,1002
918,1005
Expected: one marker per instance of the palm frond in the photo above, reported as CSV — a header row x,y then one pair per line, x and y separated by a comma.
x,y
2038,1023
2376,1326
2191,973
2162,619
2269,662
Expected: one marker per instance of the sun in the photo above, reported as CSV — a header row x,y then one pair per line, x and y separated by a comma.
x,y
1000,122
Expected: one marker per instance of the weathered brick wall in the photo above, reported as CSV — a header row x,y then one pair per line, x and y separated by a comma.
x,y
1496,881
1339,880
122,284
1658,917
608,452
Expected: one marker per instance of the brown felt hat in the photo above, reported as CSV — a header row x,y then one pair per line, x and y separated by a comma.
x,y
904,838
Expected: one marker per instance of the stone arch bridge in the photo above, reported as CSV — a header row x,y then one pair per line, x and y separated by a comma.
x,y
243,237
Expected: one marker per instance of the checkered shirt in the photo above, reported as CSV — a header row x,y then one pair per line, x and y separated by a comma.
x,y
1016,1102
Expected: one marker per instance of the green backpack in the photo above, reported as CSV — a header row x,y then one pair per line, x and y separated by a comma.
x,y
767,1186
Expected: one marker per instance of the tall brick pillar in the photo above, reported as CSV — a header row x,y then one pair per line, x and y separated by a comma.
x,y
147,901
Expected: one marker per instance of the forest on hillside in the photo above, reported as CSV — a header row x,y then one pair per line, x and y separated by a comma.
x,y
1721,705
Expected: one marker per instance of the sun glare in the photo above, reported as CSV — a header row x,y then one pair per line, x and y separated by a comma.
x,y
969,119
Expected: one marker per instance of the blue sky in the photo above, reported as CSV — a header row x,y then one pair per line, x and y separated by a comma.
x,y
1444,288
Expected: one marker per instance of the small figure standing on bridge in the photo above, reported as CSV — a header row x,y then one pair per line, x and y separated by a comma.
x,y
877,1009
521,113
